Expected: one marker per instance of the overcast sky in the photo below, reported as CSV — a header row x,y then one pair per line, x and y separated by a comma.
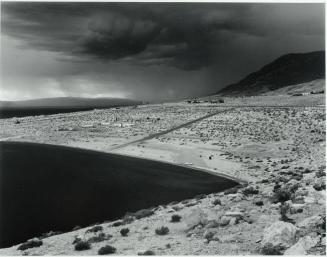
x,y
146,50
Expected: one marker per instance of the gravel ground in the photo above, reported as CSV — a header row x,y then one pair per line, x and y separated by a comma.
x,y
279,150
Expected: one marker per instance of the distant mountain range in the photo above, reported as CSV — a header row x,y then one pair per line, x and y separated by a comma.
x,y
287,70
59,105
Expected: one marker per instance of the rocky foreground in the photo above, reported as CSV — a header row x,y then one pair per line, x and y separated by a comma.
x,y
279,151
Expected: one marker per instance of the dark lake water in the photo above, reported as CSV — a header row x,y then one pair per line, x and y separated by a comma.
x,y
45,187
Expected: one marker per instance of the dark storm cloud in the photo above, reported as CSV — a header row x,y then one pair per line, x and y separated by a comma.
x,y
146,50
180,35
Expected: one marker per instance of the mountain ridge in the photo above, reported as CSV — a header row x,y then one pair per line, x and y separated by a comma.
x,y
288,69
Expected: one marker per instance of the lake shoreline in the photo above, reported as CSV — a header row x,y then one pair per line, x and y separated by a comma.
x,y
122,181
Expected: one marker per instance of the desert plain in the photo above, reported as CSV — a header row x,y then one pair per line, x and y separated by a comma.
x,y
274,145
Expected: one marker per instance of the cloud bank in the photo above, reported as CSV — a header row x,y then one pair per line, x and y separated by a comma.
x,y
146,50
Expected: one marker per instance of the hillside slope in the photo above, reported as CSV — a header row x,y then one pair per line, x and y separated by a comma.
x,y
289,69
315,86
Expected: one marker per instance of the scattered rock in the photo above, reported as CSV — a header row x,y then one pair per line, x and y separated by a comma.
x,y
224,221
302,246
212,224
311,222
195,218
279,234
233,221
77,239
235,214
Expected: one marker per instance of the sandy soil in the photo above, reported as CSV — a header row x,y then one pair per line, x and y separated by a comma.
x,y
265,140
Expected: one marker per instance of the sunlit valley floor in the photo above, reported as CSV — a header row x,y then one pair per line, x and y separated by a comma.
x,y
274,143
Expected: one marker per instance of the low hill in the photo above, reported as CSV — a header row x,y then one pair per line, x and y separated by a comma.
x,y
312,87
289,69
64,102
59,105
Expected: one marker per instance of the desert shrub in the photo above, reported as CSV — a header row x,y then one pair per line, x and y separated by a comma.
x,y
276,187
320,174
250,191
82,245
216,202
124,231
143,213
307,171
94,229
323,225
319,186
284,208
282,195
162,231
175,218
147,252
30,244
258,203
108,249
270,249
99,238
